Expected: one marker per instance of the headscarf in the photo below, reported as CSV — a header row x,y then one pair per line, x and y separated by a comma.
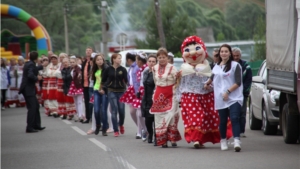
x,y
191,39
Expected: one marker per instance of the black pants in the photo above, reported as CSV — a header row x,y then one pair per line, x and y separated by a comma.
x,y
3,97
33,114
149,121
86,96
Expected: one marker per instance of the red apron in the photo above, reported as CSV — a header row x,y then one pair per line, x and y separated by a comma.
x,y
162,99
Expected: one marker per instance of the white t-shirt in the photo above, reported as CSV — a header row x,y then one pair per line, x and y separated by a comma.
x,y
222,82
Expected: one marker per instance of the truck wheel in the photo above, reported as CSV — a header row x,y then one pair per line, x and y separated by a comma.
x,y
267,128
254,123
290,126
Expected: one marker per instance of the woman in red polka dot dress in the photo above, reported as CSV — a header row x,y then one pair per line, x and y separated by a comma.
x,y
200,120
76,88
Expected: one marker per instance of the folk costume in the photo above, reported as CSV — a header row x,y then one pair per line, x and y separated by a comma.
x,y
50,102
165,107
199,117
76,91
12,92
69,101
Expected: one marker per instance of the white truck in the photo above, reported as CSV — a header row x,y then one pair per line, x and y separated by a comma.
x,y
283,62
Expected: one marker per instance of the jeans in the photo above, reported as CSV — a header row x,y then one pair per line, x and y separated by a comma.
x,y
116,106
100,109
243,115
91,105
233,112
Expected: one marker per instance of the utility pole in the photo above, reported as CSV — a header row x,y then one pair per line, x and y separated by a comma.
x,y
66,29
159,24
104,27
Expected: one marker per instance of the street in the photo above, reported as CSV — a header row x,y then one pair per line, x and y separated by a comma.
x,y
64,145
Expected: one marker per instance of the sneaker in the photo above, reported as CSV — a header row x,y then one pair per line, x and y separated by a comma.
x,y
237,145
116,134
144,135
196,145
3,108
122,130
242,135
224,145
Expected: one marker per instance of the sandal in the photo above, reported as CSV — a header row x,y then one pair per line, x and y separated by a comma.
x,y
90,132
109,131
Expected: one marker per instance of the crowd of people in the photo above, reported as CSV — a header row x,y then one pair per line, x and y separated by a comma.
x,y
94,90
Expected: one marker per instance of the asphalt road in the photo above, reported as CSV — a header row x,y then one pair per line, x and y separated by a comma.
x,y
64,145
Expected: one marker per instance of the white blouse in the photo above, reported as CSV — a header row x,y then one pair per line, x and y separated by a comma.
x,y
222,82
165,78
192,84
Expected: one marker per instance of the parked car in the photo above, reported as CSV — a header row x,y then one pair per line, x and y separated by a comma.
x,y
263,110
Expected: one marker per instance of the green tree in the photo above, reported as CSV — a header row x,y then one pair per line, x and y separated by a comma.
x,y
175,27
260,40
243,17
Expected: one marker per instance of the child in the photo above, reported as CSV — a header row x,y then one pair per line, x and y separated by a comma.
x,y
76,89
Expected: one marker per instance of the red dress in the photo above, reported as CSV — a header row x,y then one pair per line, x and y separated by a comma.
x,y
201,121
73,91
128,96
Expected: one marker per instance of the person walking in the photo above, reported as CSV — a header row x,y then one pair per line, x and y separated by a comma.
x,y
215,58
247,81
130,95
115,80
149,86
165,107
141,61
228,94
28,90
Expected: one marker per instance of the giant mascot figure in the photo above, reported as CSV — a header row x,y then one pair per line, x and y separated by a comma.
x,y
201,120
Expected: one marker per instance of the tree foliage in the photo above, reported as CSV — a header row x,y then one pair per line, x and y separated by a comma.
x,y
260,39
84,24
243,17
180,19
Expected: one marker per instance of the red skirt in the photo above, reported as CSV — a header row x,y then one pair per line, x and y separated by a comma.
x,y
138,101
128,96
44,88
200,119
69,99
73,91
60,93
52,88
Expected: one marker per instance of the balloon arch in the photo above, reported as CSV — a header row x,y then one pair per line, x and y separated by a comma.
x,y
40,33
